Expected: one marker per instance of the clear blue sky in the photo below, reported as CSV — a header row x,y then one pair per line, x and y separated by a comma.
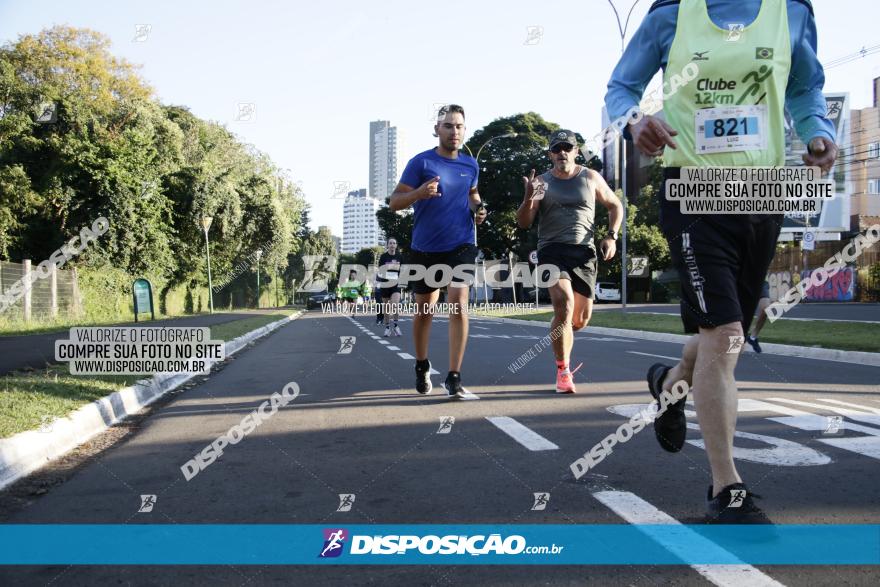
x,y
319,72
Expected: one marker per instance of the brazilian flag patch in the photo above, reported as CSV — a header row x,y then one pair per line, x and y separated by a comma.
x,y
763,53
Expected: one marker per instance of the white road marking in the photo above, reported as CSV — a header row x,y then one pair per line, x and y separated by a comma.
x,y
405,356
676,359
781,453
872,419
384,342
479,327
523,435
857,406
868,446
639,512
468,395
393,348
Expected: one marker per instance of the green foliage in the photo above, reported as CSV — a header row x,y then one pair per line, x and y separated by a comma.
x,y
368,256
153,170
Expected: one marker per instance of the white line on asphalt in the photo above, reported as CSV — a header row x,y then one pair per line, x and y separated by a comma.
x,y
384,342
479,327
653,355
433,372
468,394
405,356
840,403
393,348
851,414
525,436
639,512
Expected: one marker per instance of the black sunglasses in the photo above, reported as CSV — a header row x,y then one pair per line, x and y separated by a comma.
x,y
561,147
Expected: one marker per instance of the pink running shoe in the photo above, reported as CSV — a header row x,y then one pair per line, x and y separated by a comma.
x,y
565,380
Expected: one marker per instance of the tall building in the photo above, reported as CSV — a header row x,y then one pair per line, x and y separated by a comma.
x,y
384,159
863,160
360,228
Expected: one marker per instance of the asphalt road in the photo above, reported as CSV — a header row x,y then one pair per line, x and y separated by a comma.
x,y
850,312
358,427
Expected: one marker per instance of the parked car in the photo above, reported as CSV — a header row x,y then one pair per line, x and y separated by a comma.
x,y
320,299
607,292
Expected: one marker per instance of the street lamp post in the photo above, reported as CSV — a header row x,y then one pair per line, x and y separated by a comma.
x,y
259,253
206,224
622,166
509,135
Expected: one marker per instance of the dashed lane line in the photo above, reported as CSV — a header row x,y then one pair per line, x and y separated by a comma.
x,y
522,434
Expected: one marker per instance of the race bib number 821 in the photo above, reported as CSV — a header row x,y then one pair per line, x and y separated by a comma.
x,y
731,128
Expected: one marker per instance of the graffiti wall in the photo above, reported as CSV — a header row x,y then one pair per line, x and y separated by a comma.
x,y
780,282
839,288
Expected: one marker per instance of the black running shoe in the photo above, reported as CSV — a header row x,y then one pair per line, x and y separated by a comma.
x,y
670,427
453,385
423,377
734,504
754,343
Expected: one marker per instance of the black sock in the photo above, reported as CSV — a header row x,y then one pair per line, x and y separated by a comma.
x,y
458,373
423,364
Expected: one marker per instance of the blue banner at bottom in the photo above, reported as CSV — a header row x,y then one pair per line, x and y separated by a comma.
x,y
613,544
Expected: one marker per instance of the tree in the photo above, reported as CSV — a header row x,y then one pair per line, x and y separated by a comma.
x,y
82,136
396,224
368,256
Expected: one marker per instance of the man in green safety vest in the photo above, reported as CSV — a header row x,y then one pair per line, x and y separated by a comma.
x,y
730,68
350,290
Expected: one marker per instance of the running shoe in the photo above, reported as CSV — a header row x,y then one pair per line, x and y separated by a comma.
x,y
734,504
387,331
453,385
754,343
397,331
423,377
670,427
565,380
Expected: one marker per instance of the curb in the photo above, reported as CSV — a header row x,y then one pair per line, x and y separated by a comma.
x,y
786,350
25,452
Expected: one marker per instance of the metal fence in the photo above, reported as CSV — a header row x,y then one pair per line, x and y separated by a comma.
x,y
33,294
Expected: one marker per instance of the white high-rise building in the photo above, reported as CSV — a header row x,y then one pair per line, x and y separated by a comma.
x,y
384,159
360,228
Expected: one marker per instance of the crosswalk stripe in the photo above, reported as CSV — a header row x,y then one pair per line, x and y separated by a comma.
x,y
522,434
637,511
405,356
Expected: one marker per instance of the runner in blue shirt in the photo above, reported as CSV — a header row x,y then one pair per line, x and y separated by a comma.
x,y
441,186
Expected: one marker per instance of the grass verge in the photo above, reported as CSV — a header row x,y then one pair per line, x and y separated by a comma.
x,y
847,336
31,400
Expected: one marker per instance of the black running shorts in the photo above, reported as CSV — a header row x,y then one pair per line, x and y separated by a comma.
x,y
721,260
462,255
577,263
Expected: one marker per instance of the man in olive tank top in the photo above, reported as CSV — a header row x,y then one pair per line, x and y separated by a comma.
x,y
754,58
564,201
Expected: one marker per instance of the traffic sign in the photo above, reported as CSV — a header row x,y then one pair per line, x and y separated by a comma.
x,y
809,242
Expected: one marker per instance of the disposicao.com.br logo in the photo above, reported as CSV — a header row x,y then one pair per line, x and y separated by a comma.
x,y
394,544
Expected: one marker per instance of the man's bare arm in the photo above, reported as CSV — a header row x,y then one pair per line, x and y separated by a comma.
x,y
525,214
405,196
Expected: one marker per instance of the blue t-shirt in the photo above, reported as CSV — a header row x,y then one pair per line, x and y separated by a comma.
x,y
443,223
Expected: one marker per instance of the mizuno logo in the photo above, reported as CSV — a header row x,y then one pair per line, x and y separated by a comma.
x,y
700,56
